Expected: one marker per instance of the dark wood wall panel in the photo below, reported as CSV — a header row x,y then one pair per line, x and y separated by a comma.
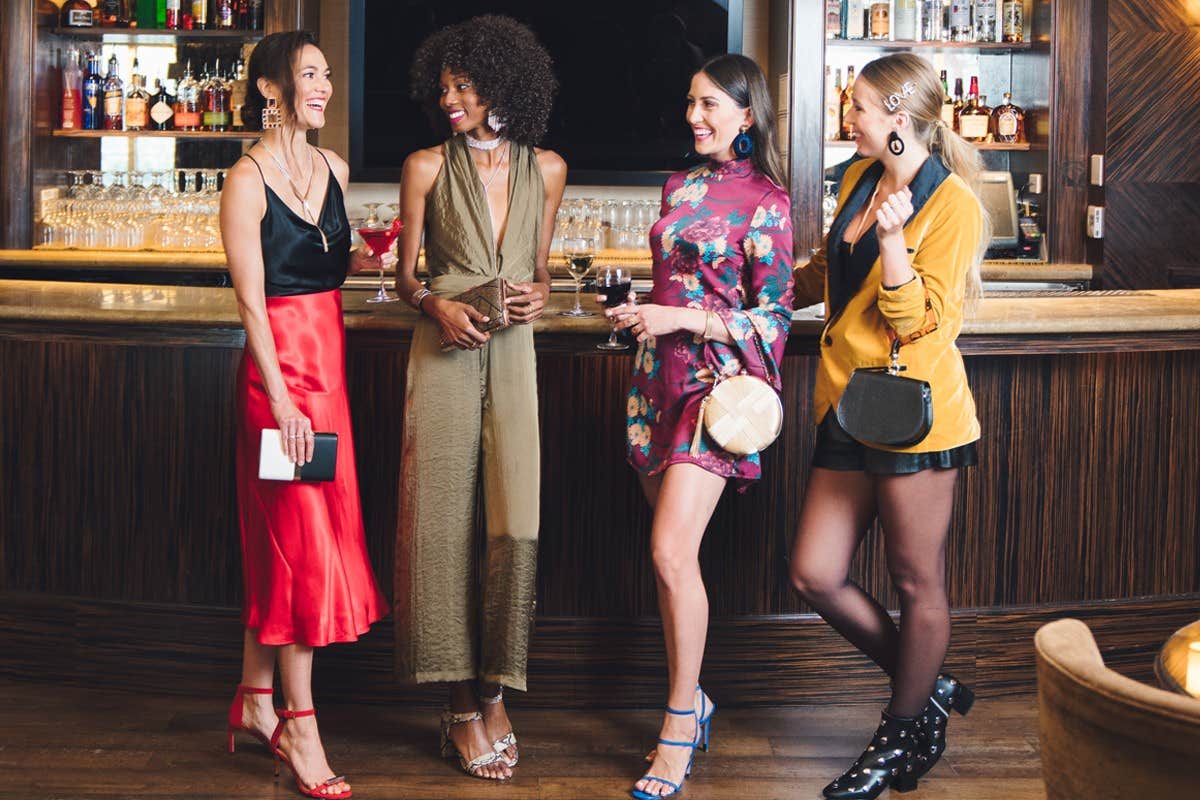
x,y
574,661
1153,113
119,459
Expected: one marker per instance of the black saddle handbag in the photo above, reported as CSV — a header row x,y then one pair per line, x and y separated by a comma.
x,y
882,408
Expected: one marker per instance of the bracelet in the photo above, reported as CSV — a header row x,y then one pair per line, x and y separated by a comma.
x,y
708,315
419,296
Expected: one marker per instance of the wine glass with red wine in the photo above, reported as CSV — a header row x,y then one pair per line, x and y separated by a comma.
x,y
614,285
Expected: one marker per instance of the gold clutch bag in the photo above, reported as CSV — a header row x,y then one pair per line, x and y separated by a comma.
x,y
488,299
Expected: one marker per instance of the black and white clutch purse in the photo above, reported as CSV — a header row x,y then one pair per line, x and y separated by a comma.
x,y
274,465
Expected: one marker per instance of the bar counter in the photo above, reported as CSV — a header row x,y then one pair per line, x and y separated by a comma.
x,y
119,547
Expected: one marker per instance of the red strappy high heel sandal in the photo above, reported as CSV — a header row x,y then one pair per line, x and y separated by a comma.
x,y
235,715
322,791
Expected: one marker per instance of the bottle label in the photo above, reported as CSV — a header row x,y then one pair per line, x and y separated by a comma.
x,y
135,112
214,119
161,112
960,15
80,18
879,21
72,110
187,119
973,126
112,104
1006,125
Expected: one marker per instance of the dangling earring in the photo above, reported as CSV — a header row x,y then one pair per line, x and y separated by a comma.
x,y
895,144
743,145
494,122
271,118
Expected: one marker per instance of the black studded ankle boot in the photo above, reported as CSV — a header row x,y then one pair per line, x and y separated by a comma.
x,y
949,694
888,761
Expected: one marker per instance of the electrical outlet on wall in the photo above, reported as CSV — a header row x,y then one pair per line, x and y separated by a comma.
x,y
1095,222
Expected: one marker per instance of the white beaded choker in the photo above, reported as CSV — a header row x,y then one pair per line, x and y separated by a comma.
x,y
483,144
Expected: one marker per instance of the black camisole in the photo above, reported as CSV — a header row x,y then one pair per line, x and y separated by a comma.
x,y
294,258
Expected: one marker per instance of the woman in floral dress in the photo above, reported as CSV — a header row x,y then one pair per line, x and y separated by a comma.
x,y
721,305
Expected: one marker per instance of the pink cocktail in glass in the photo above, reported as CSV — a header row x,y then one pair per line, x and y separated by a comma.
x,y
380,238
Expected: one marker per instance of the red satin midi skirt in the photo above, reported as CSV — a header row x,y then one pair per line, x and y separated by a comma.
x,y
306,574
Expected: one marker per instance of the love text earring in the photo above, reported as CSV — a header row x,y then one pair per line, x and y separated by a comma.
x,y
271,117
895,144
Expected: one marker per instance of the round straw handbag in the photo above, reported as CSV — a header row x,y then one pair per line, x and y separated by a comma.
x,y
742,414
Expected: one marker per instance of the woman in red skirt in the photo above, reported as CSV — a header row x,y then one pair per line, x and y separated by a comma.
x,y
307,579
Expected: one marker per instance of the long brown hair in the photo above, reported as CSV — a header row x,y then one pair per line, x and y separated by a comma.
x,y
740,78
888,75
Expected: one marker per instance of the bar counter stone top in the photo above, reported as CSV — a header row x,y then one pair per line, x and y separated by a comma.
x,y
207,307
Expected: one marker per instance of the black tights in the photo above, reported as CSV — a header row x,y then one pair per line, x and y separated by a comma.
x,y
914,512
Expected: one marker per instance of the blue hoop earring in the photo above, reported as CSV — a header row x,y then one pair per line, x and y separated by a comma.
x,y
743,145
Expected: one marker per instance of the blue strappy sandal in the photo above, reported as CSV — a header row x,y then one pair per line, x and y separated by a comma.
x,y
704,719
676,788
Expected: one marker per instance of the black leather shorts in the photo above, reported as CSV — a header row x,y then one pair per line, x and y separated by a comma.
x,y
838,450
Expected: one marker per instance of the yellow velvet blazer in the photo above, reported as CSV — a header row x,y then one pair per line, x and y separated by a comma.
x,y
863,316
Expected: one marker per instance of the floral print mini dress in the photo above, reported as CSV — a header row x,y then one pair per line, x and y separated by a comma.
x,y
723,243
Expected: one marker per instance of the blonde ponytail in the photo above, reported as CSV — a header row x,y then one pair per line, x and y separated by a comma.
x,y
963,159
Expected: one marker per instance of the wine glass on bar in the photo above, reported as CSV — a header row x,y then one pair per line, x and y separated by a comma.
x,y
579,249
614,285
379,236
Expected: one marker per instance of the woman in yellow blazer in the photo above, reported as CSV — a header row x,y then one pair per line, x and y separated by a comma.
x,y
900,261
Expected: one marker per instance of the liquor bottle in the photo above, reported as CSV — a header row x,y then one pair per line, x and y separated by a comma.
x,y
111,12
904,21
931,20
959,105
78,14
1013,21
199,14
72,96
216,102
160,13
147,14
847,101
961,27
93,95
855,19
881,23
985,20
1008,121
833,104
114,97
162,108
137,102
974,121
237,94
833,19
226,14
256,15
947,103
187,102
243,14
172,15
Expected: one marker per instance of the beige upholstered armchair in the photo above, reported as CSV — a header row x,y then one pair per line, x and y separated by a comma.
x,y
1104,736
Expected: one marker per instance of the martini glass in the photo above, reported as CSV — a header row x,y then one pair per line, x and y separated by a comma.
x,y
380,236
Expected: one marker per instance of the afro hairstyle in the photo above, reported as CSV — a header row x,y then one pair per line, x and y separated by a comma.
x,y
511,71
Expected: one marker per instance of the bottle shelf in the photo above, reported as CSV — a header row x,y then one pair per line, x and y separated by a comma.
x,y
157,35
228,135
1010,146
885,44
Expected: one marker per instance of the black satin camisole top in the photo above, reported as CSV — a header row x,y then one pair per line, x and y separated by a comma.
x,y
294,257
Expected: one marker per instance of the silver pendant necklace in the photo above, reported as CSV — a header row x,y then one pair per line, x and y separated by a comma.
x,y
496,171
302,198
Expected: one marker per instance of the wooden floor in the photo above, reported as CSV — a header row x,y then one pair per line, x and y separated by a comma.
x,y
70,744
